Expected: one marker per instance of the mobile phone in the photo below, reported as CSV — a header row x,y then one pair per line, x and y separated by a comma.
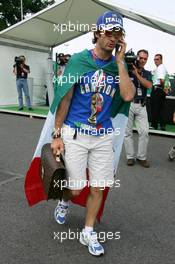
x,y
117,46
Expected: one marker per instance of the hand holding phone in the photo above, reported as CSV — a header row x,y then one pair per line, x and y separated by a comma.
x,y
117,46
120,50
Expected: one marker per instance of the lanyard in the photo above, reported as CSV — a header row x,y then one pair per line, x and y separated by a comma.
x,y
139,84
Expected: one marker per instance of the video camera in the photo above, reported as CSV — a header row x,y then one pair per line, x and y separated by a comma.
x,y
131,59
67,57
19,60
62,58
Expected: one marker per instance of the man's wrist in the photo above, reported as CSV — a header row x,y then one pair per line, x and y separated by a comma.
x,y
137,75
56,133
120,62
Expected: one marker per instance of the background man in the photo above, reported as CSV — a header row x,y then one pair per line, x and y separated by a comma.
x,y
158,93
62,61
21,70
86,108
138,113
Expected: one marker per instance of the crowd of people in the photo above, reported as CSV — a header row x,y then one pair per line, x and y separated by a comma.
x,y
159,85
143,80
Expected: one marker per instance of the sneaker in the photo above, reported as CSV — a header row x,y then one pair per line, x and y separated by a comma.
x,y
60,213
171,154
30,109
90,240
130,162
144,163
20,109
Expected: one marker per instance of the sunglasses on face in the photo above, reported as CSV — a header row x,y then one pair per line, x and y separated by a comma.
x,y
156,59
112,33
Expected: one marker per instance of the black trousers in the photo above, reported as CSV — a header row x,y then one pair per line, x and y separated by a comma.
x,y
157,101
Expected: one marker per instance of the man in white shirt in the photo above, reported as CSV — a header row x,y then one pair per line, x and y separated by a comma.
x,y
158,93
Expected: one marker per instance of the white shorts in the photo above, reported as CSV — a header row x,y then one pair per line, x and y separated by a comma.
x,y
92,152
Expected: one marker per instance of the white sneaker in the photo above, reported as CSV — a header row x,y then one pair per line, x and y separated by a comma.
x,y
60,213
90,240
171,154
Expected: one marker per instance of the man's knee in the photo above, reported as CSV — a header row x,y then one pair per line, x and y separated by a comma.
x,y
144,131
96,191
128,133
75,192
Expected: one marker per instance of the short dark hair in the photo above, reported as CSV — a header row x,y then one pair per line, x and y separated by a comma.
x,y
94,40
160,55
142,50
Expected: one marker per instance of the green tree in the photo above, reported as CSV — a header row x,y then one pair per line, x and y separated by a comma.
x,y
10,10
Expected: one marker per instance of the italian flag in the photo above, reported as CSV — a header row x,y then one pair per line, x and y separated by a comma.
x,y
79,64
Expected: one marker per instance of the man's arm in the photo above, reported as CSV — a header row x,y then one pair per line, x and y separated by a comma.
x,y
162,82
14,70
146,83
127,88
174,117
25,69
161,74
61,113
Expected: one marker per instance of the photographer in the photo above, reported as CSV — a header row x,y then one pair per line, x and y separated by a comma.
x,y
21,70
138,113
62,60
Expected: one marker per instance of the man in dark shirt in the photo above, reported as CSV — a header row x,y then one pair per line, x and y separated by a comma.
x,y
21,70
138,113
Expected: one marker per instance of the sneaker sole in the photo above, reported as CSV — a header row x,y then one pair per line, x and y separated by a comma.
x,y
170,159
91,252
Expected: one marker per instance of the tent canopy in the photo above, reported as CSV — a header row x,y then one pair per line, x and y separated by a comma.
x,y
43,28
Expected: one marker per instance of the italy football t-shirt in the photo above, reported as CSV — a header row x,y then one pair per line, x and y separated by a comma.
x,y
91,102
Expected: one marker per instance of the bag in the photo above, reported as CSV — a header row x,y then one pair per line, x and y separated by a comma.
x,y
53,173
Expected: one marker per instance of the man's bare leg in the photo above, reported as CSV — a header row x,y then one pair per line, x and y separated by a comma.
x,y
93,205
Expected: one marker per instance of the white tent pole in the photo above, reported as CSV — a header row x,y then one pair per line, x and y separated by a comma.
x,y
22,10
49,77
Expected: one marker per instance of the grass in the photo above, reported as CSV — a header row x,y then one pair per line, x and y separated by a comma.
x,y
40,110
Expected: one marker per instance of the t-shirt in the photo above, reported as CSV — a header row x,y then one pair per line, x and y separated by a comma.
x,y
20,72
159,73
141,91
89,110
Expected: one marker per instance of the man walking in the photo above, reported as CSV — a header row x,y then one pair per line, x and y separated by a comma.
x,y
82,123
138,113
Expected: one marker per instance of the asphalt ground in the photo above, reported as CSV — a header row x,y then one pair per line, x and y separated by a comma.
x,y
141,210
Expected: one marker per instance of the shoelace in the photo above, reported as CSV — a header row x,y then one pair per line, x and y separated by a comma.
x,y
94,239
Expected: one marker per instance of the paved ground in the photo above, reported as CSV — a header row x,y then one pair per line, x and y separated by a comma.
x,y
142,209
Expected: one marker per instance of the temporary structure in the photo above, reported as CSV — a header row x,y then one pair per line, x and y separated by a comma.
x,y
35,37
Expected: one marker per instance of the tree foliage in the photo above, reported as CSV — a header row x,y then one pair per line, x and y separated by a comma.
x,y
10,10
